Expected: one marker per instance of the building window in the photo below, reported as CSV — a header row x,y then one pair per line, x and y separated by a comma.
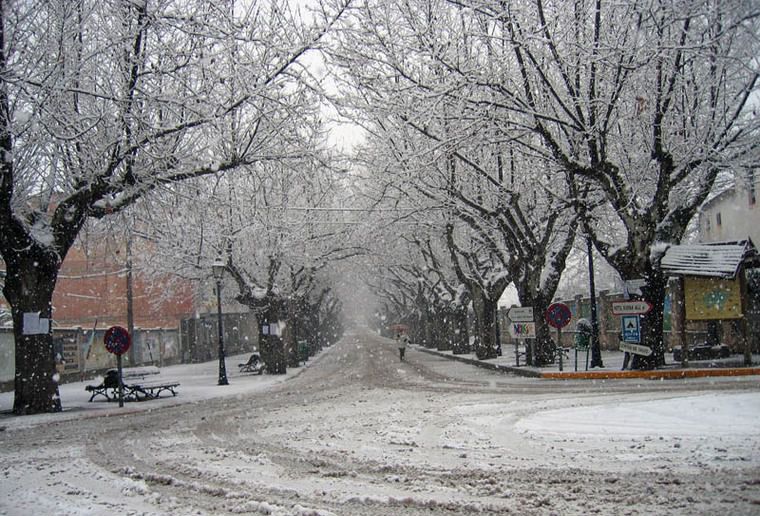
x,y
717,220
708,225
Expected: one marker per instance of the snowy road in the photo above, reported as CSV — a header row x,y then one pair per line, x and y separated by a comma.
x,y
358,432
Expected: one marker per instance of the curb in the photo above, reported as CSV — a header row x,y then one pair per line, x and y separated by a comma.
x,y
657,374
519,371
672,374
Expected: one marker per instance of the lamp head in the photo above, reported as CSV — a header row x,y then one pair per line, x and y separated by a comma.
x,y
218,269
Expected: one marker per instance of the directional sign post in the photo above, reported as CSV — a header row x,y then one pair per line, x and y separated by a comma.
x,y
118,341
558,315
521,332
636,349
521,314
633,287
631,328
630,307
521,327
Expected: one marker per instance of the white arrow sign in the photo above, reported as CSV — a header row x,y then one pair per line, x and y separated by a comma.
x,y
636,349
521,314
630,307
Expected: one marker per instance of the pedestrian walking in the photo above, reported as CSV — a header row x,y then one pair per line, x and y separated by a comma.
x,y
402,342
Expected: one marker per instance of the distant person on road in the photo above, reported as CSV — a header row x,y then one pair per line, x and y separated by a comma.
x,y
402,341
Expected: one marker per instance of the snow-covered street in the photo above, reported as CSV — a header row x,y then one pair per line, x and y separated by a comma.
x,y
358,432
553,208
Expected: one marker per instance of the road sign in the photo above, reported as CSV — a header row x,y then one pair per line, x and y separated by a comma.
x,y
636,349
521,314
630,307
117,340
633,286
558,315
631,328
522,330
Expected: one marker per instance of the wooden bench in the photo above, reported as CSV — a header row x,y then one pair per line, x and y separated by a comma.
x,y
254,364
143,391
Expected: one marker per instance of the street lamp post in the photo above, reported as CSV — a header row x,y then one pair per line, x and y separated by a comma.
x,y
596,352
218,270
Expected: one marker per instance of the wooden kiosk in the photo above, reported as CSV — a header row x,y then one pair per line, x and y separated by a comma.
x,y
710,283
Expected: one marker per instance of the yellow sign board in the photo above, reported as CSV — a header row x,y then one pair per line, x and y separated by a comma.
x,y
712,298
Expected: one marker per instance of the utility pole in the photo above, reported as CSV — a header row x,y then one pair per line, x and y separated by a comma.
x,y
130,301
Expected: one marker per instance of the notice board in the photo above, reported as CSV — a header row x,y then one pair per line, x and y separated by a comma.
x,y
712,298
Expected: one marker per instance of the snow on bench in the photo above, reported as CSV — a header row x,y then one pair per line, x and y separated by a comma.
x,y
133,391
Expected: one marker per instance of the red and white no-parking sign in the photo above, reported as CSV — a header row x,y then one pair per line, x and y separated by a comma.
x,y
117,340
558,315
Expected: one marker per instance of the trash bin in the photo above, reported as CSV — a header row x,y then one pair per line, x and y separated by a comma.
x,y
303,350
582,339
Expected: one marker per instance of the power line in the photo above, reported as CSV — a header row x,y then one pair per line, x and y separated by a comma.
x,y
362,210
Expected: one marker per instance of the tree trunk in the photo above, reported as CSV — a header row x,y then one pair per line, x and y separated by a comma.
x,y
543,348
431,330
651,327
539,351
29,284
272,348
425,321
290,335
485,316
460,344
273,354
443,329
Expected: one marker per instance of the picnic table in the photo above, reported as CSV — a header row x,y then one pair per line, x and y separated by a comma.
x,y
134,391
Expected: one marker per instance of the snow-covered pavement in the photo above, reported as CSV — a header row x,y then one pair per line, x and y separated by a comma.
x,y
198,382
358,432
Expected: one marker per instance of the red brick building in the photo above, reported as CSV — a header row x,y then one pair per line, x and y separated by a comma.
x,y
92,284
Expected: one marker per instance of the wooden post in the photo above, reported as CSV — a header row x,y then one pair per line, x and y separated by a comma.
x,y
678,318
517,352
743,293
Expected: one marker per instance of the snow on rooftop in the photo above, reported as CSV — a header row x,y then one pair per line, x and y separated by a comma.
x,y
718,259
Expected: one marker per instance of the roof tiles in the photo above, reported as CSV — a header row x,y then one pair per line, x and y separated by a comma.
x,y
718,259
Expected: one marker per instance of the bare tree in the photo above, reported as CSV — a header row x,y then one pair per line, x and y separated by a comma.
x,y
102,102
278,229
442,141
642,105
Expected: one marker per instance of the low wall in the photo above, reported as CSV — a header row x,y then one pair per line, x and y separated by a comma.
x,y
200,335
80,353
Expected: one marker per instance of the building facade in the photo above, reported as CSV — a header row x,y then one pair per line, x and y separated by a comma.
x,y
91,295
734,213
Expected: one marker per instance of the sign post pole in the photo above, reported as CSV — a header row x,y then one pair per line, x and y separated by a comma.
x,y
558,315
121,381
118,341
524,330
